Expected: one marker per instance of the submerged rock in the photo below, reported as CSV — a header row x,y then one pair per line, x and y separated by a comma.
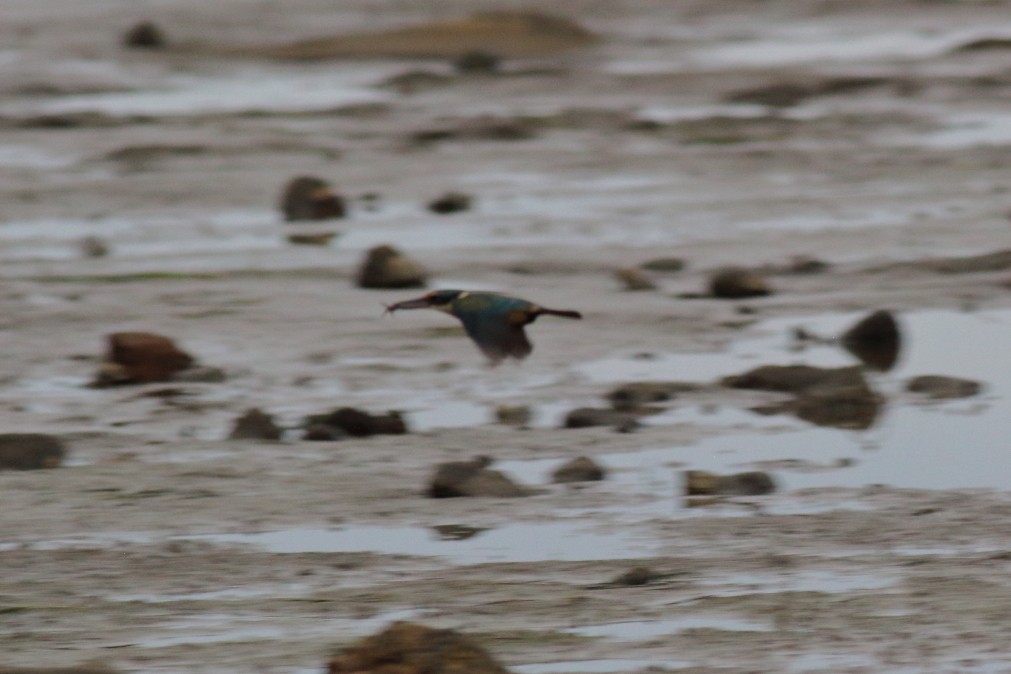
x,y
939,387
387,267
348,421
255,424
409,648
30,451
310,198
737,283
472,478
141,357
875,340
450,202
751,483
580,469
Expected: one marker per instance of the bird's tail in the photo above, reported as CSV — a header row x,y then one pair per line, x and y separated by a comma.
x,y
564,313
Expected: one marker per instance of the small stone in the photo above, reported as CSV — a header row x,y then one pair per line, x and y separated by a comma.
x,y
585,417
478,61
387,267
940,387
141,357
795,378
144,35
513,415
93,247
30,451
450,202
309,198
580,469
737,283
802,264
636,395
634,279
311,238
751,483
356,423
472,478
255,424
637,576
664,264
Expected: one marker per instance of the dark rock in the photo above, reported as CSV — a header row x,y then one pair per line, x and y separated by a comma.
x,y
457,532
997,261
30,451
738,282
585,417
855,407
875,340
478,61
634,279
141,357
409,648
664,264
387,267
357,423
580,469
795,378
144,35
93,246
637,576
802,264
311,238
450,202
939,386
778,95
309,198
636,395
255,424
320,432
472,478
751,483
983,44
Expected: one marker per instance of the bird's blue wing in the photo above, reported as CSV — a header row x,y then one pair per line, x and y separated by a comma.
x,y
495,323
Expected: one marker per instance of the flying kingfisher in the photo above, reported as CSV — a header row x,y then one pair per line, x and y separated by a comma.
x,y
495,322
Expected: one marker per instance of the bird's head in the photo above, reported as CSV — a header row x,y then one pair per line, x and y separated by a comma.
x,y
437,299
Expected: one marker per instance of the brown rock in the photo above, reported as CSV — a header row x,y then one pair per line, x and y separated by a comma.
x,y
634,279
795,378
875,340
450,202
939,387
478,61
30,451
855,407
141,357
356,423
664,264
636,576
580,469
387,267
144,35
751,483
309,198
737,283
409,648
255,424
585,417
513,415
472,478
311,238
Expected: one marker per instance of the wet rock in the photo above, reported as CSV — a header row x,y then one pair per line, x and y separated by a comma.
x,y
983,44
664,264
255,424
93,247
637,576
457,532
854,407
585,417
737,283
751,483
309,198
478,62
634,279
141,357
795,378
940,387
311,238
514,415
30,451
580,469
875,340
450,202
636,395
387,267
356,423
472,478
409,648
144,35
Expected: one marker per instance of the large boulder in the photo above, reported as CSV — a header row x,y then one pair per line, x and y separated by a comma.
x,y
409,648
30,451
386,267
140,358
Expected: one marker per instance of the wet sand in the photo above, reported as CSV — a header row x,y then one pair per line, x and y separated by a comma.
x,y
161,546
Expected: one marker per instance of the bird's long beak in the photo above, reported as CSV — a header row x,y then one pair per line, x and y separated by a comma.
x,y
419,303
